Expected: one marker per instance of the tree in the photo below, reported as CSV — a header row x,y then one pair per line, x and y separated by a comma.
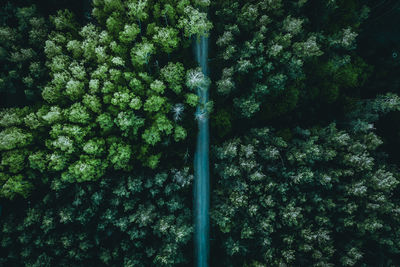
x,y
121,220
325,197
268,54
22,73
113,81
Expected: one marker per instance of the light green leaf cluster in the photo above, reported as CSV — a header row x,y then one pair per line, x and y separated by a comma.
x,y
15,160
105,121
138,9
15,146
293,25
154,103
74,90
129,123
140,54
95,146
167,38
129,34
195,23
247,106
119,155
173,74
38,161
157,86
95,93
180,133
13,185
85,169
192,99
14,137
64,21
151,136
108,103
92,102
77,113
226,84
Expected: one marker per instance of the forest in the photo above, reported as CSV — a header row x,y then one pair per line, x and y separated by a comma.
x,y
257,133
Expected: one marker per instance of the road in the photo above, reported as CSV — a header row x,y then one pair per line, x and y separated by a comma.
x,y
201,166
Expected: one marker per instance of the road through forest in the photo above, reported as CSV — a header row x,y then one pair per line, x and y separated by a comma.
x,y
201,164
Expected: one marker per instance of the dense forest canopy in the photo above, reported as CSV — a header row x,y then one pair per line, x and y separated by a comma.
x,y
98,130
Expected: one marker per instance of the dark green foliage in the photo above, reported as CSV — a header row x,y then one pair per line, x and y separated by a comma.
x,y
337,76
222,121
22,72
94,104
274,56
325,197
140,220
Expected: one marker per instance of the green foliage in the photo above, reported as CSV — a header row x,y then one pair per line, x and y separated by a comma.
x,y
85,169
222,120
324,197
22,72
13,185
118,96
154,103
195,23
108,103
119,155
120,221
173,75
192,99
14,137
166,38
339,73
16,145
141,53
269,49
129,33
93,59
180,133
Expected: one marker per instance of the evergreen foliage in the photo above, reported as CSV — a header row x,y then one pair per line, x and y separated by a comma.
x,y
123,220
325,197
273,55
22,72
109,103
98,127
